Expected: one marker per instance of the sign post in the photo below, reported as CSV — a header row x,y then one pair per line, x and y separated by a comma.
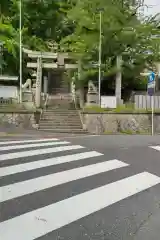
x,y
151,91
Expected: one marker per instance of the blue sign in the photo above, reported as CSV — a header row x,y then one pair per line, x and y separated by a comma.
x,y
151,83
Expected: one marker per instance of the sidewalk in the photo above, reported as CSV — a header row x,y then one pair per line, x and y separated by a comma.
x,y
16,132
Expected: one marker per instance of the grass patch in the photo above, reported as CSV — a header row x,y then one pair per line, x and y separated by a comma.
x,y
127,132
95,109
126,108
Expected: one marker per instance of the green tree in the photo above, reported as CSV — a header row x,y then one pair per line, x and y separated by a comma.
x,y
41,27
122,34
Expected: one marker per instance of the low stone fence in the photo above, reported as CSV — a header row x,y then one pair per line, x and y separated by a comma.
x,y
20,119
96,123
113,123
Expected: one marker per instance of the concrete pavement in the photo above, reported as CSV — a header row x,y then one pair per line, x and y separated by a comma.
x,y
80,187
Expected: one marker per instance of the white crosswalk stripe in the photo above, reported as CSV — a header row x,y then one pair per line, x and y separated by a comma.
x,y
28,225
28,141
4,171
155,148
37,184
69,210
8,156
33,145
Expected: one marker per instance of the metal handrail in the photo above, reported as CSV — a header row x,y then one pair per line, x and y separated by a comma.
x,y
75,104
46,101
42,109
33,99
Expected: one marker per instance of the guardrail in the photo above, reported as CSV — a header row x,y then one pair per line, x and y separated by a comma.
x,y
145,102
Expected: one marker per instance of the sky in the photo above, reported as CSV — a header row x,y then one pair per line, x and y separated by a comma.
x,y
153,7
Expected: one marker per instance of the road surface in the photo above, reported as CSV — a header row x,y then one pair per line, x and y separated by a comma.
x,y
80,188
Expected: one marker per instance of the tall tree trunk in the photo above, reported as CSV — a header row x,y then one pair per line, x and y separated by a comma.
x,y
118,80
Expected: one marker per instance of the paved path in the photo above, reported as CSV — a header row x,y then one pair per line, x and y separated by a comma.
x,y
80,188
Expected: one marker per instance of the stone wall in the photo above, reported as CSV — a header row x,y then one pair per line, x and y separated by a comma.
x,y
22,119
129,123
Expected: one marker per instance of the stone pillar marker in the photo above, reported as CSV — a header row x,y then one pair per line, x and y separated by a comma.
x,y
45,85
38,82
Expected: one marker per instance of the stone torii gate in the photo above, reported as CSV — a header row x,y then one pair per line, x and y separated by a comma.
x,y
56,61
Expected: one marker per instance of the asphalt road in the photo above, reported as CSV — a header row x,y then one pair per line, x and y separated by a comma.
x,y
80,188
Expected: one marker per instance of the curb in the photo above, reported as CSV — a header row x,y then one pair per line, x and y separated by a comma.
x,y
4,134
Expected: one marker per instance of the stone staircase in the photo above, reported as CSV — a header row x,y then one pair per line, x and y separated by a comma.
x,y
60,115
61,120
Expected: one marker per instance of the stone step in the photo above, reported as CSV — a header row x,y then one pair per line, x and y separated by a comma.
x,y
61,107
60,126
60,111
61,121
60,114
63,89
56,116
56,130
70,108
59,100
50,116
66,121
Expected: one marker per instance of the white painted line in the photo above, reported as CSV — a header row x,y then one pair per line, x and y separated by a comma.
x,y
30,153
39,222
81,136
29,141
40,183
33,145
156,147
4,171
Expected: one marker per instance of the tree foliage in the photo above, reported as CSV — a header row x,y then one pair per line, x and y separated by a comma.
x,y
41,27
74,26
122,34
